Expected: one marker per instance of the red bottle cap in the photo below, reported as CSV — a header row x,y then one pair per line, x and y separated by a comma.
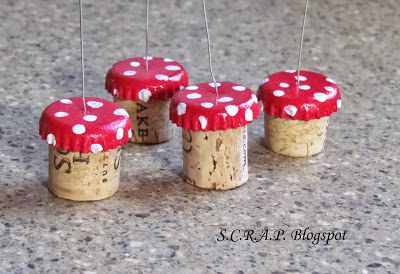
x,y
196,108
65,125
129,80
317,95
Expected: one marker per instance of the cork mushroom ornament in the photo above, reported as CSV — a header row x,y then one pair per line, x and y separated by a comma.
x,y
297,105
143,86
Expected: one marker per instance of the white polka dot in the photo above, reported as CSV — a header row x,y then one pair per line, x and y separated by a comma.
x,y
181,108
66,101
320,97
181,87
304,87
173,68
147,58
90,118
278,93
96,148
129,73
135,64
121,112
203,122
144,95
193,96
261,106
339,103
248,115
290,110
78,129
263,81
95,104
301,78
284,85
213,85
120,133
207,105
232,110
290,70
130,133
51,139
330,89
192,87
61,114
225,99
239,88
254,97
168,60
162,77
330,80
115,91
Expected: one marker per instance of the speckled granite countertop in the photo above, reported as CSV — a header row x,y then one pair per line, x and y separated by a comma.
x,y
156,222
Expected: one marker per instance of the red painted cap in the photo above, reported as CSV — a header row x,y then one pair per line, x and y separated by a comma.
x,y
129,80
105,125
196,108
317,95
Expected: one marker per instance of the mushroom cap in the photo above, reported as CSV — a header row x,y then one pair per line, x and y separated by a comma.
x,y
198,108
105,125
129,80
317,96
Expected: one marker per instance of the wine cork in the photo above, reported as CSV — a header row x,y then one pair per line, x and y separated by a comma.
x,y
150,120
215,159
296,138
84,176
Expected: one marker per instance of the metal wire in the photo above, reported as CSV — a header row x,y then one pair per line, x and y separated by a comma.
x,y
209,49
147,33
82,56
301,42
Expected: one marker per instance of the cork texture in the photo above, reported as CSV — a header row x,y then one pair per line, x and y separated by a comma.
x,y
150,121
295,138
83,176
215,159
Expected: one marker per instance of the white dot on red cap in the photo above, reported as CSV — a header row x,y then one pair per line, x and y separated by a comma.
x,y
144,95
278,93
301,78
225,99
213,85
147,58
130,133
173,68
254,97
134,64
239,88
129,73
248,115
330,80
284,85
115,91
207,105
90,118
168,60
263,81
181,108
203,122
120,133
193,96
232,110
51,139
95,104
304,87
66,101
339,103
61,114
121,112
330,89
192,87
290,70
162,77
96,148
290,110
320,97
78,129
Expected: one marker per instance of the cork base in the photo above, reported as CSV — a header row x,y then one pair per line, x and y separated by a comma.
x,y
83,176
215,159
150,121
295,138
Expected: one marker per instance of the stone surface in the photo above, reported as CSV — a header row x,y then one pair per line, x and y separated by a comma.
x,y
156,222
